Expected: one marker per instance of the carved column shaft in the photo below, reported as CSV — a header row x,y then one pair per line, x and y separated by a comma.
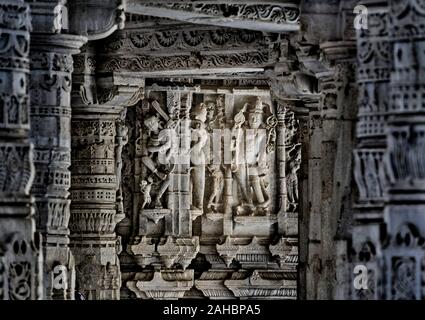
x,y
338,109
20,261
50,90
98,137
93,209
312,268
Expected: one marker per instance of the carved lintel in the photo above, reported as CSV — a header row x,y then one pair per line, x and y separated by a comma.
x,y
267,284
211,283
253,255
163,285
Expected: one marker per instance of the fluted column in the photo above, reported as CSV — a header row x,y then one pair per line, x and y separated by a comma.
x,y
20,260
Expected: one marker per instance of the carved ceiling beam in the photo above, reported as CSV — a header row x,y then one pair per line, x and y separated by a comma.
x,y
178,38
269,16
189,65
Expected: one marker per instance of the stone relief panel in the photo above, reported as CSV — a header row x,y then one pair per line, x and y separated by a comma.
x,y
206,193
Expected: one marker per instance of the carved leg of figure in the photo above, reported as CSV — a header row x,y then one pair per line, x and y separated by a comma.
x,y
215,195
290,198
198,182
150,164
212,196
243,189
255,184
164,187
264,189
266,204
227,194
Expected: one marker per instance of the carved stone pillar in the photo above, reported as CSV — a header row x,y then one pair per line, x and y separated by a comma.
x,y
20,261
404,212
373,77
312,271
98,136
50,92
338,109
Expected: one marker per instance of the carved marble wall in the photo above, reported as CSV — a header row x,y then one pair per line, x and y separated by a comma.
x,y
196,150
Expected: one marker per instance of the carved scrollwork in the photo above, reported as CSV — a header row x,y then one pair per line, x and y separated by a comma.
x,y
268,12
139,40
217,38
193,38
167,38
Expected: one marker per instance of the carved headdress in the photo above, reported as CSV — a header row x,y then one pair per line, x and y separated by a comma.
x,y
258,107
199,111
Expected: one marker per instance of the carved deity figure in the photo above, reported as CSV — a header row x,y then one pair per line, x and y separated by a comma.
x,y
292,181
215,121
158,159
121,141
293,163
197,155
145,189
216,188
250,173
